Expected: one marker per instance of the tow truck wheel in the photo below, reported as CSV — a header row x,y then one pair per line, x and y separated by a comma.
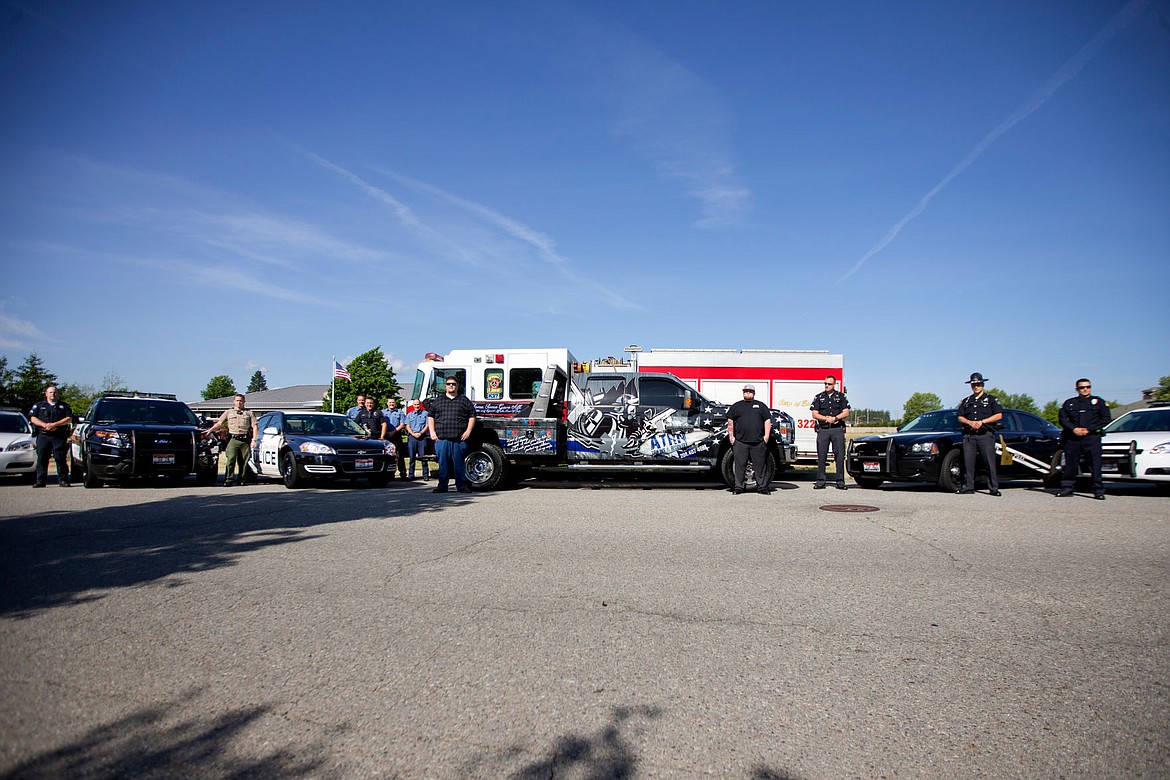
x,y
288,471
950,471
1056,470
727,468
90,479
486,467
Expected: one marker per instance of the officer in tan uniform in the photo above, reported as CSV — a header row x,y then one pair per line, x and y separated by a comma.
x,y
241,427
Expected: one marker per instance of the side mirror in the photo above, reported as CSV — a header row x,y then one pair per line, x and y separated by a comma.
x,y
271,430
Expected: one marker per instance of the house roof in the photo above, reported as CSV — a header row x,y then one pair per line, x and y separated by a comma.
x,y
288,399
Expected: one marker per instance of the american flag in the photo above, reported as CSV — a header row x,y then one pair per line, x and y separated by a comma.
x,y
339,371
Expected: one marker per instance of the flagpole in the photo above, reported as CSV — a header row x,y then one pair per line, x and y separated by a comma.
x,y
333,386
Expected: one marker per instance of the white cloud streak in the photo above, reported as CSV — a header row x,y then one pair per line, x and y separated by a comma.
x,y
543,244
1066,73
19,333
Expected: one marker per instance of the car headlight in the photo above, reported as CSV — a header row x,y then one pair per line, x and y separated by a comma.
x,y
316,448
924,448
114,439
1161,449
20,444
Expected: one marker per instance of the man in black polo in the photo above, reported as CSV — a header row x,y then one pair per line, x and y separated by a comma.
x,y
978,414
1081,419
749,427
451,417
52,419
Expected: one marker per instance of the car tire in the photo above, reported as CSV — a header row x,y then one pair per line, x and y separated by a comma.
x,y
727,469
486,467
869,483
289,473
950,470
89,479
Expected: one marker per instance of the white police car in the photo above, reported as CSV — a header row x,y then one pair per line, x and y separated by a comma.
x,y
1136,446
17,448
298,446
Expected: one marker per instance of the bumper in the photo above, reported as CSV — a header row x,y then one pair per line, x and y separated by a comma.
x,y
786,454
18,462
923,468
344,466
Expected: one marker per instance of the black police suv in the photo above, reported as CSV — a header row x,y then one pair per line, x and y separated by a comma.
x,y
929,448
124,435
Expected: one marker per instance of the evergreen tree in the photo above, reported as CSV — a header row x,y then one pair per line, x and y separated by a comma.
x,y
1162,392
27,384
258,384
370,374
219,387
1051,412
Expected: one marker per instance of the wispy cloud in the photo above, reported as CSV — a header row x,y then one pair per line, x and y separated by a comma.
x,y
543,244
1066,73
677,120
19,333
229,277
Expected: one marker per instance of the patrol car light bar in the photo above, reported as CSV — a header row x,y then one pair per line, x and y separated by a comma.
x,y
136,394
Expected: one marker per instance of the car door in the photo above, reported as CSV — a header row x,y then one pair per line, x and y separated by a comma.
x,y
267,454
666,419
1033,436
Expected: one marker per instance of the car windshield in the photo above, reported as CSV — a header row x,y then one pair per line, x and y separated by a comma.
x,y
1138,422
144,410
322,425
13,423
943,421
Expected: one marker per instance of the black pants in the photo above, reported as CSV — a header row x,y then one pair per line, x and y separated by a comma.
x,y
740,452
399,441
58,446
981,444
835,437
1074,450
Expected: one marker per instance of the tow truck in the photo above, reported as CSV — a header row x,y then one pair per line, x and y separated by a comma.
x,y
539,411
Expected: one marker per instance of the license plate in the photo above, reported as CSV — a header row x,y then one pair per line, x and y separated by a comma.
x,y
1109,467
871,465
164,460
363,463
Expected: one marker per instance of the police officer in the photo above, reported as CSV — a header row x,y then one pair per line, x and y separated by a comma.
x,y
241,427
371,419
1081,419
52,418
978,414
749,427
830,409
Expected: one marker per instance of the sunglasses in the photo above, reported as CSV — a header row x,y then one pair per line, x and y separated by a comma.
x,y
976,384
1084,387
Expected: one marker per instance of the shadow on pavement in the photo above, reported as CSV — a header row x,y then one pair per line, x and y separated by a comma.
x,y
158,742
52,559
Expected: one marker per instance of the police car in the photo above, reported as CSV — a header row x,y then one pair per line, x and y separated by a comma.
x,y
124,435
1137,446
17,448
299,446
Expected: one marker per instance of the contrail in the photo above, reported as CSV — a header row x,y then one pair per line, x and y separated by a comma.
x,y
1067,72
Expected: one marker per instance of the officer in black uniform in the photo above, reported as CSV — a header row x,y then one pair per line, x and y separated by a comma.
x,y
52,419
830,409
978,414
1081,419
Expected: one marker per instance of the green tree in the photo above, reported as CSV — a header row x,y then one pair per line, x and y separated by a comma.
x,y
864,417
27,383
920,403
218,387
1015,400
81,396
1051,412
258,384
369,374
1162,391
6,377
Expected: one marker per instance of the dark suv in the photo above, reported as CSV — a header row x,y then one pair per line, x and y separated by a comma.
x,y
125,435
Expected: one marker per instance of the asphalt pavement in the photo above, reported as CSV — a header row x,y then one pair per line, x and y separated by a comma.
x,y
583,631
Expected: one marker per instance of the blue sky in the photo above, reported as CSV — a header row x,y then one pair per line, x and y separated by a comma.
x,y
928,188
